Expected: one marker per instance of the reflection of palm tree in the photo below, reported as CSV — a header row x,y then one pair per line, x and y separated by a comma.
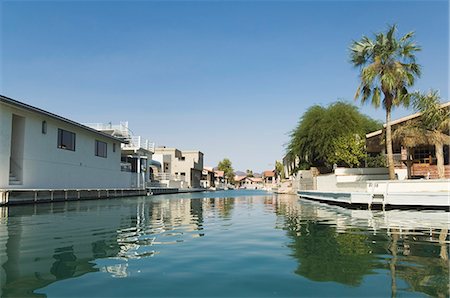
x,y
393,248
442,236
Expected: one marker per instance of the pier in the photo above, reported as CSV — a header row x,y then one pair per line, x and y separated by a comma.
x,y
414,194
32,196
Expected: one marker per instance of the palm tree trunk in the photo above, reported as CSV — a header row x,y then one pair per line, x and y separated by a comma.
x,y
408,161
390,153
439,147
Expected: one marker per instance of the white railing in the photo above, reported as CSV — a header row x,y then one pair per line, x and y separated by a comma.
x,y
168,176
125,167
122,127
156,184
138,142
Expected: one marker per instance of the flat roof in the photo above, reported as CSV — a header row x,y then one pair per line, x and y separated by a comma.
x,y
21,105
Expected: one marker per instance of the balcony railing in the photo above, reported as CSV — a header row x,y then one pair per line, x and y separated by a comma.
x,y
167,176
138,142
125,167
121,128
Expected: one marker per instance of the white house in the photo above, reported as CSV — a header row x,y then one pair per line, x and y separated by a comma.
x,y
41,150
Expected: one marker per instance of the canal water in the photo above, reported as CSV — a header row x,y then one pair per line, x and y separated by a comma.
x,y
220,244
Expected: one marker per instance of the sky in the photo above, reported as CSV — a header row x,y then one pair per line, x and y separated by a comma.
x,y
228,78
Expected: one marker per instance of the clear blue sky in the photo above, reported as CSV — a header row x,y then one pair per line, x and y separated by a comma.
x,y
228,78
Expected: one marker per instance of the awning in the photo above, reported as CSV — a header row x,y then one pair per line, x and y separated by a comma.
x,y
155,163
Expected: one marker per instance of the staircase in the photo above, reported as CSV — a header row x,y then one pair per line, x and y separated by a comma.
x,y
13,180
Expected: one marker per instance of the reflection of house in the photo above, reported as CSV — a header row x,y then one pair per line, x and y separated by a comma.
x,y
423,157
208,178
41,150
248,182
136,152
180,165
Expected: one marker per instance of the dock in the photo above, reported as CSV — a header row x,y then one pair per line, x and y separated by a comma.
x,y
172,190
409,194
33,196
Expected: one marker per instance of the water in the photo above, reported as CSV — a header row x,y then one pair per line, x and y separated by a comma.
x,y
222,244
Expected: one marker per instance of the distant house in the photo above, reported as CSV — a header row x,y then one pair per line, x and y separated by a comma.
x,y
269,177
423,157
179,165
220,181
248,182
208,178
41,150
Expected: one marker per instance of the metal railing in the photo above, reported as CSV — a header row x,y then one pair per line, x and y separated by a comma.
x,y
125,167
122,127
156,184
139,142
168,176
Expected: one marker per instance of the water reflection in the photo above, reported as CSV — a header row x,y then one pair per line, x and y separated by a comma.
x,y
341,245
43,244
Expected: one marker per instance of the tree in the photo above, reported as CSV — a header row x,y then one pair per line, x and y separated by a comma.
x,y
312,139
279,168
388,66
348,150
431,128
225,165
249,173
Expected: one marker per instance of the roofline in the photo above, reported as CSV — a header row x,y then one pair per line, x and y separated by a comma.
x,y
191,151
403,119
19,104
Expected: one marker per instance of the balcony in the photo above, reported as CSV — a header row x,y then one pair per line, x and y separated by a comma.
x,y
138,142
125,167
168,176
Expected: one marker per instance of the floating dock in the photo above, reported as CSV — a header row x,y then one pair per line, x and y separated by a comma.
x,y
32,196
410,194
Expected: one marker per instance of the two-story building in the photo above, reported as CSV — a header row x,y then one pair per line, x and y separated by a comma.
x,y
41,150
136,152
184,166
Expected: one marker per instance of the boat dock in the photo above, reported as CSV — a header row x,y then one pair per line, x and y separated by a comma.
x,y
172,190
32,196
414,194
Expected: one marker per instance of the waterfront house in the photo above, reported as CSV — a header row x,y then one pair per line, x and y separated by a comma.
x,y
208,178
221,180
269,177
136,152
422,158
42,150
180,166
245,182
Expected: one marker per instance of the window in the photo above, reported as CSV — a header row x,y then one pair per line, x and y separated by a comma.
x,y
44,127
66,140
425,154
101,148
114,147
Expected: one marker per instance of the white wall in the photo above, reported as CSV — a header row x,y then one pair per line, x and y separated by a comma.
x,y
47,166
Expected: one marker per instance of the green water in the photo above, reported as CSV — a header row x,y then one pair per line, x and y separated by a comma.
x,y
222,244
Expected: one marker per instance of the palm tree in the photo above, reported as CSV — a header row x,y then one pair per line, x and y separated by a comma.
x,y
388,66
